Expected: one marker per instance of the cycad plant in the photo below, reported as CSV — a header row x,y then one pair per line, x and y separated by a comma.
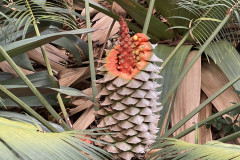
x,y
207,26
129,99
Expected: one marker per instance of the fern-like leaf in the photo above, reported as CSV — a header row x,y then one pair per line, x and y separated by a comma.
x,y
178,149
23,13
209,15
21,140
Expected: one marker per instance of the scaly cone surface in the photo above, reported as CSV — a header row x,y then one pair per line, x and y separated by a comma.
x,y
128,96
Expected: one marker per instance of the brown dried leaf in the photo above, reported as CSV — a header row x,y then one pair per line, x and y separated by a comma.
x,y
118,10
98,16
36,55
81,105
205,134
70,76
85,119
212,80
7,68
92,11
102,26
188,98
60,56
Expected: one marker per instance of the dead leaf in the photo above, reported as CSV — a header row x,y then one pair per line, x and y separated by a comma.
x,y
205,134
118,10
81,105
149,154
78,5
61,57
85,119
55,61
98,16
102,26
188,98
212,80
7,68
70,76
92,11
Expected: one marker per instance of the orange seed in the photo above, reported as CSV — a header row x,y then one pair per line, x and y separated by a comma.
x,y
135,37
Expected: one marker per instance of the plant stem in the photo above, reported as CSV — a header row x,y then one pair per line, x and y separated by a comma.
x,y
91,59
175,50
236,119
33,88
28,109
49,68
148,17
199,108
230,137
205,121
196,133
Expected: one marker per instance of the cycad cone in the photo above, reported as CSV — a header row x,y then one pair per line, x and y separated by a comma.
x,y
129,99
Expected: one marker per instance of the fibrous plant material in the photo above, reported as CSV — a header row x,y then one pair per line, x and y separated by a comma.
x,y
128,96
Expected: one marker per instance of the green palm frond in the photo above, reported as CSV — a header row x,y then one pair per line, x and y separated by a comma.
x,y
28,119
24,13
178,149
21,140
209,15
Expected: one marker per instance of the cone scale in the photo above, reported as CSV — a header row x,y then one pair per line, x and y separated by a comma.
x,y
128,97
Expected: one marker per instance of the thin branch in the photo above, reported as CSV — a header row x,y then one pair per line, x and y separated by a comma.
x,y
91,58
28,109
33,88
148,17
49,68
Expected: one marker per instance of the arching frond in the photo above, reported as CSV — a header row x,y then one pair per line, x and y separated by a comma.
x,y
28,119
178,149
21,140
24,13
210,14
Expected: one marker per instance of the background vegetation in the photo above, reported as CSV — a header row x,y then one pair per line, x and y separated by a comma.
x,y
48,65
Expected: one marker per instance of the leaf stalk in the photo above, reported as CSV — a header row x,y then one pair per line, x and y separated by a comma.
x,y
33,88
91,59
49,68
148,17
28,109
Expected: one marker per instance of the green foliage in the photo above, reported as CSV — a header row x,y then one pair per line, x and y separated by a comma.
x,y
208,16
230,122
21,46
19,23
205,21
170,73
177,149
21,140
208,28
138,13
224,54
